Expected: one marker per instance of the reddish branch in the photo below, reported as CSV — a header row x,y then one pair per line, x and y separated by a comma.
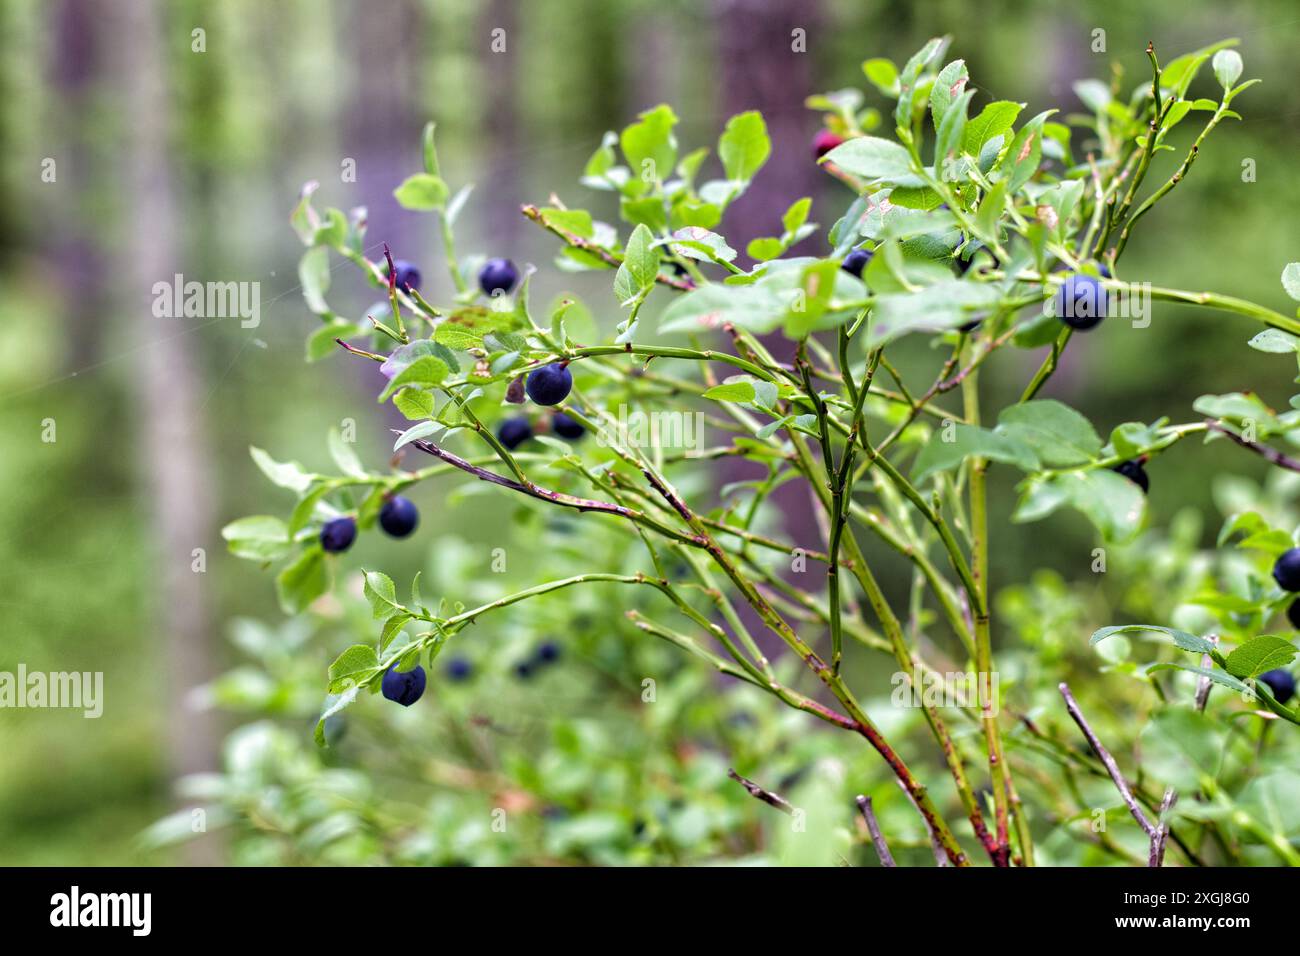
x,y
1264,451
758,793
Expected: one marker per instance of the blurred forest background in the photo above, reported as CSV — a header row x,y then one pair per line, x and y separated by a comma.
x,y
171,161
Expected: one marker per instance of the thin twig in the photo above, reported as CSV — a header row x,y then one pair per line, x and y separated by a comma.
x,y
758,793
1157,856
877,838
1264,451
940,857
1107,760
1203,688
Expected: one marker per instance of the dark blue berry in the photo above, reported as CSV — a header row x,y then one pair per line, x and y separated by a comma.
x,y
1134,472
1080,302
408,276
523,670
549,652
566,427
1293,614
398,516
404,687
513,432
1104,270
1281,683
497,275
856,261
337,534
1286,570
549,385
459,669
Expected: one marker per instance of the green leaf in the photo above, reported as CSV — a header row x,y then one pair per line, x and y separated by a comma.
x,y
303,581
970,441
1291,280
944,305
797,214
738,390
696,243
345,455
414,403
1264,652
636,275
1181,747
1275,340
422,191
1227,67
911,73
257,538
430,150
333,705
883,75
873,159
286,474
1057,433
996,119
1112,503
1181,639
352,667
1219,677
314,277
948,87
425,372
381,594
649,145
744,146
1026,150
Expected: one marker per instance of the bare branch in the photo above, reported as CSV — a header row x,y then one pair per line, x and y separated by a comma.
x,y
1108,761
758,793
1157,856
877,838
1264,451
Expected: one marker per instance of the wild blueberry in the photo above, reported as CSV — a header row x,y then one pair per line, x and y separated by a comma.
x,y
548,652
497,275
1286,570
1280,682
1134,472
856,261
523,670
566,427
408,276
550,384
404,687
459,669
513,432
1293,614
337,534
824,142
1080,301
398,516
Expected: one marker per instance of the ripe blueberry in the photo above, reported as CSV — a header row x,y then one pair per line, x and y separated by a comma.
x,y
1286,571
566,427
1280,682
408,276
497,275
856,261
459,669
337,534
1134,472
1293,614
1080,302
513,432
548,652
523,670
824,142
549,385
398,516
404,687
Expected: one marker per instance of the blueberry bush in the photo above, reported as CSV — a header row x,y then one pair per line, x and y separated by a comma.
x,y
963,223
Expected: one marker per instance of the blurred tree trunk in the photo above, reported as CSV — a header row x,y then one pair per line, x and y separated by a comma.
x,y
167,384
499,123
74,69
761,71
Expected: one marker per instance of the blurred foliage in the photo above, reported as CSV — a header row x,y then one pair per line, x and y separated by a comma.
x,y
275,101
